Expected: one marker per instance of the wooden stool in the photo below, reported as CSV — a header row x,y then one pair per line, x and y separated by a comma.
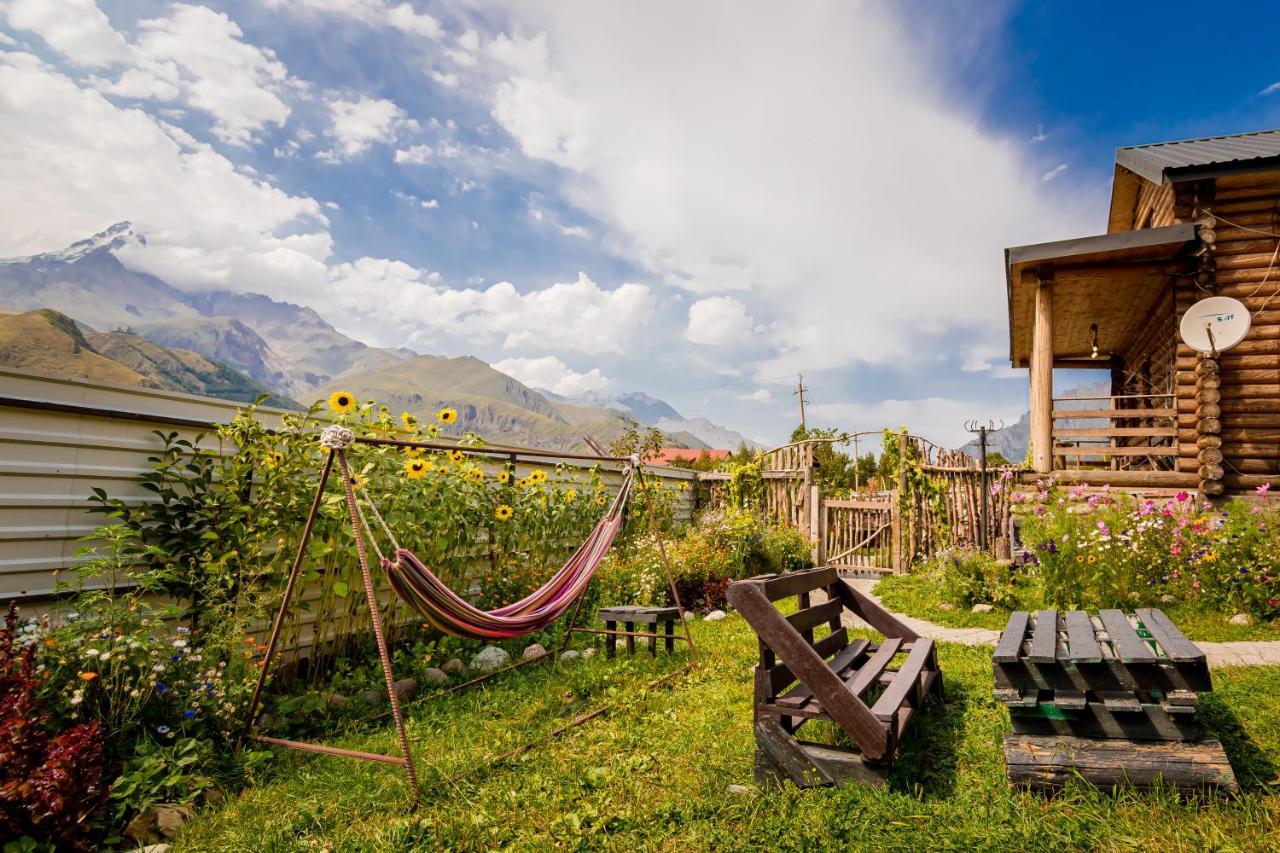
x,y
1112,697
649,617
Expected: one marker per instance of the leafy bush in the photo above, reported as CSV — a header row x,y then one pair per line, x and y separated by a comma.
x,y
51,782
966,576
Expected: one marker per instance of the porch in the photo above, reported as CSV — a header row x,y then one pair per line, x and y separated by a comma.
x,y
1105,304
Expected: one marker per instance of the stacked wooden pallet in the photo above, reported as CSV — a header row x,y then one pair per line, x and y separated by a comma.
x,y
1110,698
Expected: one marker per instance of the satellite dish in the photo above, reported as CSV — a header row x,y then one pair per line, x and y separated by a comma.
x,y
1214,324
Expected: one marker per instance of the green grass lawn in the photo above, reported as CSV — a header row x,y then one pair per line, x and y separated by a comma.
x,y
919,596
653,774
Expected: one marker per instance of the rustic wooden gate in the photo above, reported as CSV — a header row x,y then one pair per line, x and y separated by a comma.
x,y
861,534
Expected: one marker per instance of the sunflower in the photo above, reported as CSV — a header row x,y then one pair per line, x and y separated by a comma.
x,y
410,421
342,402
475,475
538,477
601,500
456,455
273,459
570,496
503,476
416,468
358,480
1092,558
433,430
413,452
523,482
447,416
503,512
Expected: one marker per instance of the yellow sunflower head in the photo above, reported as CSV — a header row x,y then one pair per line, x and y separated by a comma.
x,y
522,482
538,477
456,455
342,402
570,495
475,475
447,416
413,452
503,512
416,468
503,476
409,420
433,430
601,499
358,480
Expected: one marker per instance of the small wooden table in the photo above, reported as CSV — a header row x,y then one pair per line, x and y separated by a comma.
x,y
649,617
1096,695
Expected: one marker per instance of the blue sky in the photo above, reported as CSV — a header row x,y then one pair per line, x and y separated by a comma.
x,y
694,200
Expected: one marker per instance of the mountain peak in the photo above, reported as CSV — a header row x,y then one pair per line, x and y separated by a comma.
x,y
116,237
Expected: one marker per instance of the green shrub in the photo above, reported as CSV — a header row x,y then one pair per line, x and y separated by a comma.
x,y
966,576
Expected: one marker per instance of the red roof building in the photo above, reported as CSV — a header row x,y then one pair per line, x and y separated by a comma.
x,y
667,455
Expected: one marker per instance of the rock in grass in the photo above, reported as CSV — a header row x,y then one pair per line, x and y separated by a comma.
x,y
1168,599
454,666
156,848
489,658
436,676
741,790
171,816
588,652
535,650
946,605
981,608
715,616
335,701
373,698
405,688
1241,619
570,654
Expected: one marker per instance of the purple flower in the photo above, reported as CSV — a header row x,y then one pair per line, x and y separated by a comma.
x,y
188,714
161,688
164,730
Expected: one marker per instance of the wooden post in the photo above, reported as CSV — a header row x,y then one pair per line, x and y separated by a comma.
x,y
1042,378
899,498
818,523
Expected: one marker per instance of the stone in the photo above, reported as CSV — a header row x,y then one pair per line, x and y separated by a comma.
x,y
570,654
142,829
335,701
981,608
454,666
715,616
212,797
156,848
1168,599
171,816
489,658
946,605
1241,619
373,698
589,653
404,689
436,676
741,790
535,650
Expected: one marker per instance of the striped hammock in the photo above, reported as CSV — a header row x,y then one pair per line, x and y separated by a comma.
x,y
447,611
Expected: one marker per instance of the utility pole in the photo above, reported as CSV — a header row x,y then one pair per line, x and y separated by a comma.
x,y
800,389
981,430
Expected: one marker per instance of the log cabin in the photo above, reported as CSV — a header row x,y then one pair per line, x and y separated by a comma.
x,y
1188,220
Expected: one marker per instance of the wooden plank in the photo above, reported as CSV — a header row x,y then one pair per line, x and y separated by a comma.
x,y
878,506
786,754
831,643
1149,722
1175,644
1115,432
1121,702
871,670
1128,645
1070,700
847,656
906,680
1011,640
811,617
1044,639
1095,414
776,587
1082,645
1049,763
1100,450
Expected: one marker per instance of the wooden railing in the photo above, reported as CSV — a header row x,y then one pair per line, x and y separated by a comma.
x,y
1128,432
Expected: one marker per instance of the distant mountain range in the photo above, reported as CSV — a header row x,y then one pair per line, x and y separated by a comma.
x,y
81,311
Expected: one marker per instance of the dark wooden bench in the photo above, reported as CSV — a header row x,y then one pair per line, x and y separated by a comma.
x,y
852,683
630,616
1094,697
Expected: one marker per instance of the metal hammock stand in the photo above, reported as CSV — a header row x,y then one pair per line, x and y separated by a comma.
x,y
336,440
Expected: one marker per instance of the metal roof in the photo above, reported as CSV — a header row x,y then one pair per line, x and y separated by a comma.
x,y
1201,158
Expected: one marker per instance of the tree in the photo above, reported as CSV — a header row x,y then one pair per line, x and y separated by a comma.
x,y
834,469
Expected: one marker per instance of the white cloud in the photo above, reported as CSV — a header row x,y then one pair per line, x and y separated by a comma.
x,y
1039,135
75,28
542,216
718,320
394,303
552,374
415,155
844,106
1272,89
401,16
446,79
429,203
75,163
195,56
1054,172
762,395
356,125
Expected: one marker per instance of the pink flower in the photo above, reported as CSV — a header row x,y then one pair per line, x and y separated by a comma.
x,y
1175,550
1263,489
1182,497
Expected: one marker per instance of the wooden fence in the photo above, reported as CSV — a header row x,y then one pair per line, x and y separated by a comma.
x,y
60,437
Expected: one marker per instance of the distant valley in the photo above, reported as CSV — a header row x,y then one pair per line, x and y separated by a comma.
x,y
80,311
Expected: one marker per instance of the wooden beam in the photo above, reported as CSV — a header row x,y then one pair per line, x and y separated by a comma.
x,y
1042,379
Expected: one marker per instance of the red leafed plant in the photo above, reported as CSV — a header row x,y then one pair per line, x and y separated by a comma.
x,y
50,784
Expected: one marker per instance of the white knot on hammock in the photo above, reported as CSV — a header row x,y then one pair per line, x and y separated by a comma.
x,y
634,461
337,437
